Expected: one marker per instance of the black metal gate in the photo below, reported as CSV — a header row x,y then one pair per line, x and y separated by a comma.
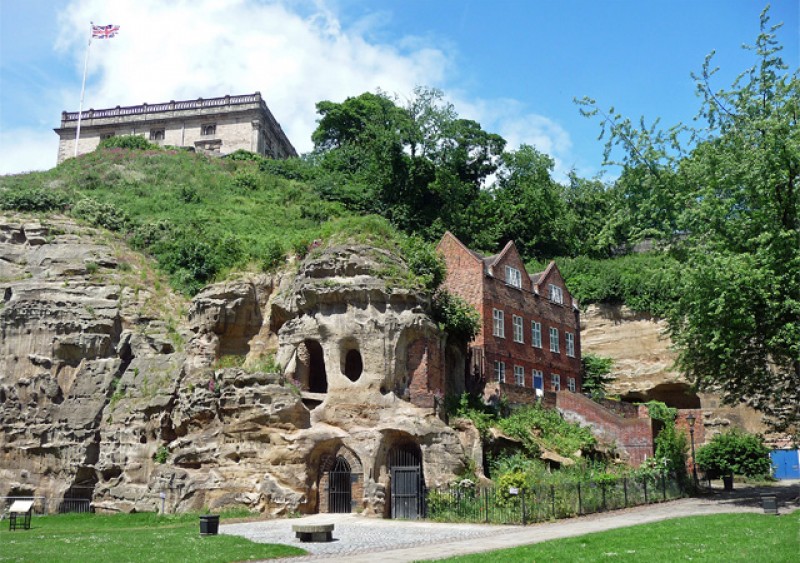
x,y
340,492
408,485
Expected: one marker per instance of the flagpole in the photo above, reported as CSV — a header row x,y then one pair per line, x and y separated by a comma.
x,y
83,89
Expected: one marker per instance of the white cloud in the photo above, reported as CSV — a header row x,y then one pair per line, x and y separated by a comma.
x,y
295,53
25,150
185,50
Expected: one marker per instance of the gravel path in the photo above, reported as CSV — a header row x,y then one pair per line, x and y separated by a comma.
x,y
355,534
358,539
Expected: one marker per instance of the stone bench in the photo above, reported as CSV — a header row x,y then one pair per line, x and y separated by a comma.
x,y
313,532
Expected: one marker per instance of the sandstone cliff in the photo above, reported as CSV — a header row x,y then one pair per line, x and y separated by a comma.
x,y
644,367
117,390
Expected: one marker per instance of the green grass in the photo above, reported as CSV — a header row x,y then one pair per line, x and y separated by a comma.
x,y
200,217
86,538
722,537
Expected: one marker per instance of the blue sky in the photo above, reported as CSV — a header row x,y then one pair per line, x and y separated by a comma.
x,y
515,66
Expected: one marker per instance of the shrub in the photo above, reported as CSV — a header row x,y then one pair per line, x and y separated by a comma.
x,y
595,374
271,255
671,445
643,282
132,142
161,455
34,199
735,453
455,316
99,214
246,156
246,180
424,262
553,432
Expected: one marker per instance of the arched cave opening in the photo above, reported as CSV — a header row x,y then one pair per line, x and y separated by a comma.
x,y
675,395
317,377
353,365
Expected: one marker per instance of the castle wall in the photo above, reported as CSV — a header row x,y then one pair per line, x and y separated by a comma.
x,y
240,122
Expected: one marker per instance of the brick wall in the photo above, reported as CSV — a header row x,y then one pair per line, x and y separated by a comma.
x,y
464,275
633,436
426,371
527,305
357,481
487,291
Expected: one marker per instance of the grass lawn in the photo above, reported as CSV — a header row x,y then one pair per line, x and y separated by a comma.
x,y
127,537
723,537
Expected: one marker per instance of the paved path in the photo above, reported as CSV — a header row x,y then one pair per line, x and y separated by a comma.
x,y
359,539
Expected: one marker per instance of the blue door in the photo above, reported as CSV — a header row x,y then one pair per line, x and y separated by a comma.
x,y
786,463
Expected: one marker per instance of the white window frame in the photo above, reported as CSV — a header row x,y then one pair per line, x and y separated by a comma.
x,y
519,376
534,374
555,381
570,344
554,346
519,332
556,294
500,371
498,323
513,277
571,384
536,334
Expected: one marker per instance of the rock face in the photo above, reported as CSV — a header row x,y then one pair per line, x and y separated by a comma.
x,y
129,396
644,367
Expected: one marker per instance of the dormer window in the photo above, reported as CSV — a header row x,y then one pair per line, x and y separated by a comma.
x,y
556,294
513,277
209,129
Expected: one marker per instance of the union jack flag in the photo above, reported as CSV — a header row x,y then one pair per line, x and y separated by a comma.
x,y
104,31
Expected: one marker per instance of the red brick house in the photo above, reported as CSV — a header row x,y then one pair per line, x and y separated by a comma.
x,y
530,335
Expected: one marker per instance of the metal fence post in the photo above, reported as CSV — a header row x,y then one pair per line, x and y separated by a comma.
x,y
580,500
664,485
486,504
644,480
553,500
524,516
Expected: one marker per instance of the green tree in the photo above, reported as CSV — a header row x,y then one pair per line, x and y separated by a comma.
x,y
420,166
596,370
735,453
591,205
530,206
736,184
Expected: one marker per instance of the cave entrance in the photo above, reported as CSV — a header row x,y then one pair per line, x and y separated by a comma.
x,y
78,497
317,377
340,487
407,482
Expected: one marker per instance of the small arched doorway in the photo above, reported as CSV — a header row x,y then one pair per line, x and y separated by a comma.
x,y
340,487
407,482
317,376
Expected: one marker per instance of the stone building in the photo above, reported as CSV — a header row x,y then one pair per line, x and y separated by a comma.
x,y
530,334
215,125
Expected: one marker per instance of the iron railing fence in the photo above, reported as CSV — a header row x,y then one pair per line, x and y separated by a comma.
x,y
45,505
546,502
